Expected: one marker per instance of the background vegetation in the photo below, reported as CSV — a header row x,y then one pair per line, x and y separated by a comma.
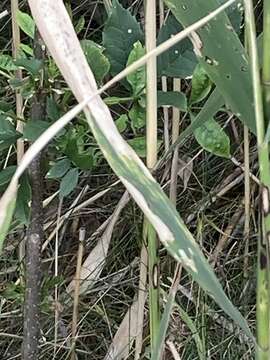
x,y
90,227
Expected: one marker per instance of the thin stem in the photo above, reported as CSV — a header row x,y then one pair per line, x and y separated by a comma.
x,y
151,139
77,291
263,334
16,40
266,59
164,85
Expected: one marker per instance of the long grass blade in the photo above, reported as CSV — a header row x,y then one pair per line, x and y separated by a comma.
x,y
58,33
263,316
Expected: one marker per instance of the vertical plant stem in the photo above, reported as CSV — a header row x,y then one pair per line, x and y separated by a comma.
x,y
35,234
266,59
56,302
263,334
175,135
77,291
151,138
164,86
16,39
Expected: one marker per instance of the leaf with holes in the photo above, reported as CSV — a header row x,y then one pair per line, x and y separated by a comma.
x,y
121,31
235,14
221,54
180,60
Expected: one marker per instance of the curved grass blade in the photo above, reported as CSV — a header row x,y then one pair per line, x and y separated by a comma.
x,y
57,31
222,55
7,207
170,304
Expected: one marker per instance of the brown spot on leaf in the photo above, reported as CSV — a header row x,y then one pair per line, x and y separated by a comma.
x,y
263,261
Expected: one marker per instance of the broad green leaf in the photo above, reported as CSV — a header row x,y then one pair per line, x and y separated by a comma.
x,y
137,116
7,206
7,63
8,133
222,55
69,182
201,85
137,79
121,123
22,209
84,161
33,66
52,109
26,23
213,138
34,128
96,59
172,98
235,14
59,169
121,31
7,129
180,60
6,175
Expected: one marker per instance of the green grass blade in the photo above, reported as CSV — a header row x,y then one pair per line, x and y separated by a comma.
x,y
172,232
7,207
57,31
170,304
222,55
